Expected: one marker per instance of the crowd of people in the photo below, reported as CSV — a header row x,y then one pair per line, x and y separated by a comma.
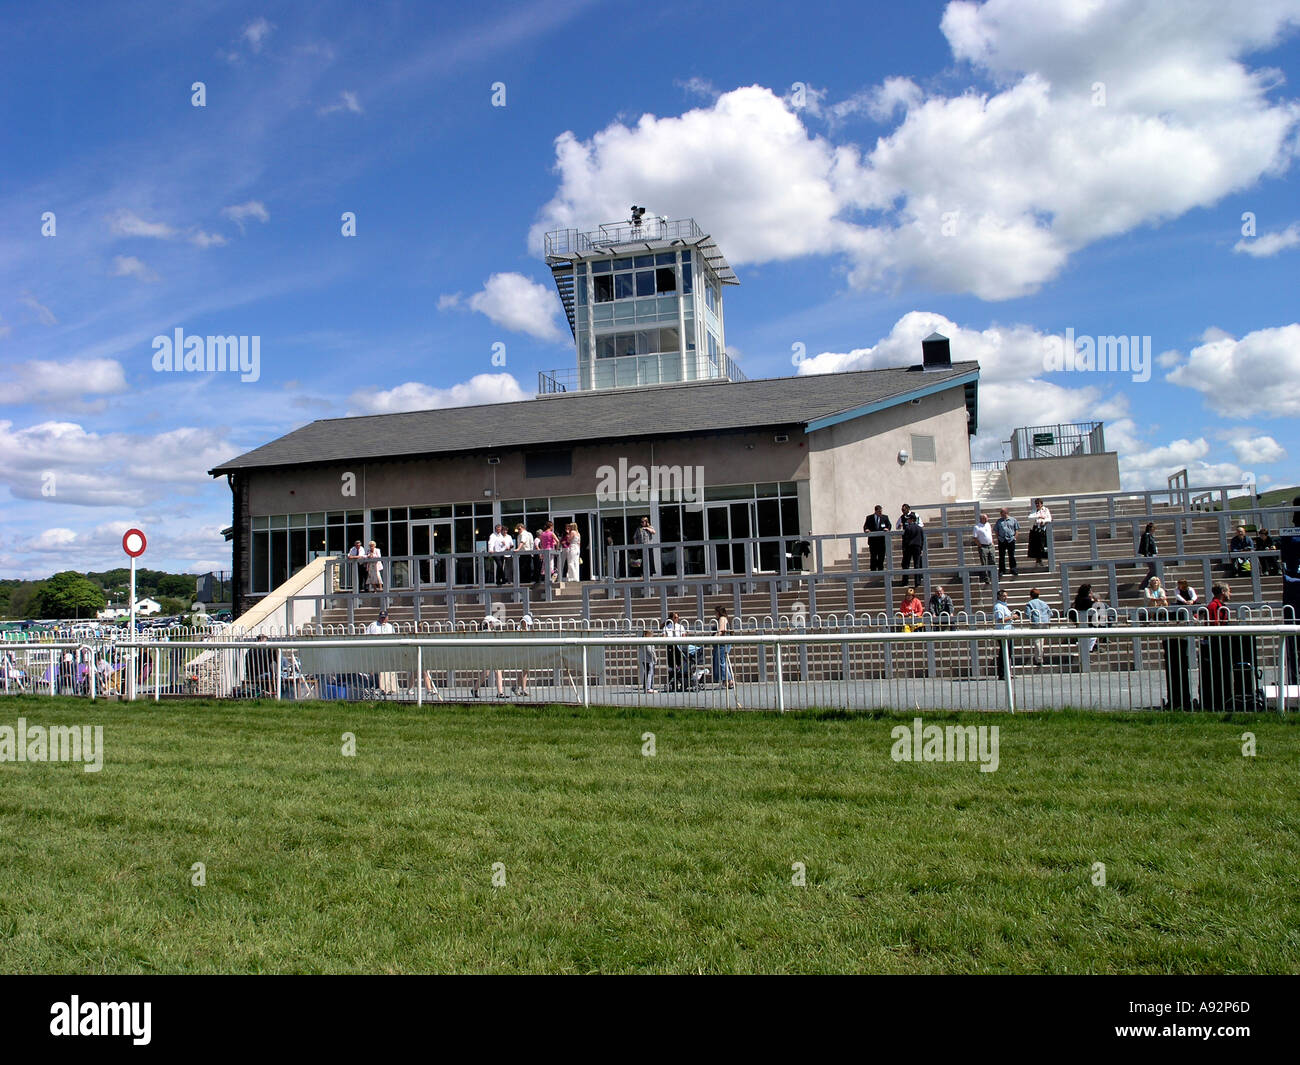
x,y
1004,534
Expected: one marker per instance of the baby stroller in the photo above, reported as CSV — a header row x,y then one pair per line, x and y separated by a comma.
x,y
686,672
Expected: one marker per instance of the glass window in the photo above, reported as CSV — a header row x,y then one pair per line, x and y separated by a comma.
x,y
645,283
686,275
647,341
261,561
377,516
279,521
604,288
581,287
602,267
669,339
666,258
666,279
622,264
623,287
602,314
645,260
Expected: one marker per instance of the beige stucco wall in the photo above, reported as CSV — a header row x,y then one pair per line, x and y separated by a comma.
x,y
854,465
726,459
1072,475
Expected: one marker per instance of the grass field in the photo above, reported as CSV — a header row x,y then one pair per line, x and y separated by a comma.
x,y
614,861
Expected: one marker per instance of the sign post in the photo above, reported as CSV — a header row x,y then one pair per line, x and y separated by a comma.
x,y
133,543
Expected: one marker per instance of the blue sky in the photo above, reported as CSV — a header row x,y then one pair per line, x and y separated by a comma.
x,y
1002,171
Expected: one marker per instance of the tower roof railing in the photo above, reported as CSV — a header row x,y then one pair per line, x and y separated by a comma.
x,y
571,242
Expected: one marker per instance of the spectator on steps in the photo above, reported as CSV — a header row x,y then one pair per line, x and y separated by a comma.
x,y
1148,550
1007,529
374,568
547,541
941,608
499,546
982,534
911,609
1040,616
1003,618
1239,549
1040,534
876,526
525,545
1155,596
913,543
1268,567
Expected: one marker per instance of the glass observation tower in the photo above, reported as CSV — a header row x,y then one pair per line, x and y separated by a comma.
x,y
644,303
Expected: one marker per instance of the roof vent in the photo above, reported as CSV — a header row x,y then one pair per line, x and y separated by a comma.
x,y
935,353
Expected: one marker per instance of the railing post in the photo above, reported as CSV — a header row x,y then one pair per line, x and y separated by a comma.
x,y
1006,672
586,695
780,679
279,672
419,675
1281,674
157,672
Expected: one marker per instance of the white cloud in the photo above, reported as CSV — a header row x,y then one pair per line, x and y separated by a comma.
x,y
449,300
1256,450
1256,376
49,382
1270,243
130,266
107,469
987,192
347,101
413,395
43,314
256,33
521,305
126,223
239,213
201,239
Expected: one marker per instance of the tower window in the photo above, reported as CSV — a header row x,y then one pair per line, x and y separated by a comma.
x,y
603,285
666,279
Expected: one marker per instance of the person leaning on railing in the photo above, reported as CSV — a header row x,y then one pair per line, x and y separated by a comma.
x,y
911,610
1264,542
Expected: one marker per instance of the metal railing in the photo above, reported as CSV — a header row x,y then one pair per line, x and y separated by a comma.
x,y
1058,441
572,242
773,566
637,371
943,663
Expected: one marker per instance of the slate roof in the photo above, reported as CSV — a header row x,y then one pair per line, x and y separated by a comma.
x,y
614,414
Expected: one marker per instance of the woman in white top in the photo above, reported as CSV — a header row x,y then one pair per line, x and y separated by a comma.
x,y
1156,596
375,569
572,552
1040,533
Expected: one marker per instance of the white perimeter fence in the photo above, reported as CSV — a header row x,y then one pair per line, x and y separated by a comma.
x,y
944,663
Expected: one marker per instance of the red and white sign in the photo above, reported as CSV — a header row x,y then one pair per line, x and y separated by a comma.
x,y
133,542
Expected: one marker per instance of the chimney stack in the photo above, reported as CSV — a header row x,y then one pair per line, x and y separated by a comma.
x,y
935,353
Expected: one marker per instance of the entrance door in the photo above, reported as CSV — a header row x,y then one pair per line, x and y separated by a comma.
x,y
433,540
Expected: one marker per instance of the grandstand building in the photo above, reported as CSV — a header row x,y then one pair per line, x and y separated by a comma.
x,y
655,420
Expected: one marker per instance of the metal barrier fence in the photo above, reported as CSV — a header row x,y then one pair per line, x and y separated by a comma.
x,y
922,663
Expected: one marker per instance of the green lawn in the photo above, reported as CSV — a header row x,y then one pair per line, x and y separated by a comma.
x,y
614,861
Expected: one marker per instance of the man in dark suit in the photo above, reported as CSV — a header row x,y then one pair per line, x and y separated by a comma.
x,y
877,523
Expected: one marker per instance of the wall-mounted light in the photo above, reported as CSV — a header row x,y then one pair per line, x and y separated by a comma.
x,y
903,456
494,460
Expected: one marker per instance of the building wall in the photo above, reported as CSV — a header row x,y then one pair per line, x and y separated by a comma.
x,y
1071,475
854,465
726,459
